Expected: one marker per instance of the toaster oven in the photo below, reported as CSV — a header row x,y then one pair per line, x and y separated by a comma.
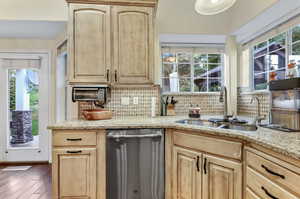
x,y
99,94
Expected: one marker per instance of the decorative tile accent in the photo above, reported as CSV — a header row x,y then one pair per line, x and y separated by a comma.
x,y
245,107
208,102
142,109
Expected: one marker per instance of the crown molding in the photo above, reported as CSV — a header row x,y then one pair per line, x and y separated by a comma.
x,y
151,3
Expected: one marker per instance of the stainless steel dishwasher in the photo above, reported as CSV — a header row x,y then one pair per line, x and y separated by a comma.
x,y
135,164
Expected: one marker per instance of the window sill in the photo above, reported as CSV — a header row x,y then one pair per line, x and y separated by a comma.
x,y
190,93
254,92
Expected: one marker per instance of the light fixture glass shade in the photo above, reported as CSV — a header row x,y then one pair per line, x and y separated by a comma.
x,y
212,7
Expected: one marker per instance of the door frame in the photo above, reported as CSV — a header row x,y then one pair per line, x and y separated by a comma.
x,y
19,154
60,88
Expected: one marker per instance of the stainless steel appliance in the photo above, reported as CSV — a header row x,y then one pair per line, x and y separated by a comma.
x,y
99,94
285,104
135,164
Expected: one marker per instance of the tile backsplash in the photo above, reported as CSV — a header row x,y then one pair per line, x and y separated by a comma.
x,y
208,102
246,108
142,109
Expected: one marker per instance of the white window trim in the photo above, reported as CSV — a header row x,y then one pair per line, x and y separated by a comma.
x,y
218,50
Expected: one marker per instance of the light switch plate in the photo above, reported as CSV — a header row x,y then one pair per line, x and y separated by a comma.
x,y
124,100
135,100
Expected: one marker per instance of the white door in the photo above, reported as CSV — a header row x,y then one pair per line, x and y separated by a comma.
x,y
24,105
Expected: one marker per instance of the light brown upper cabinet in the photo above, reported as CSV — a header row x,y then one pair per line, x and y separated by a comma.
x,y
133,44
203,167
89,46
111,44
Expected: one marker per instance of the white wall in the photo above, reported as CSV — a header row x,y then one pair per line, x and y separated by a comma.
x,y
40,10
25,44
244,72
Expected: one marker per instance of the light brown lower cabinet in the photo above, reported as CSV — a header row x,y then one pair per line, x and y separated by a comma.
x,y
74,173
265,187
222,178
196,168
187,174
250,194
271,175
196,176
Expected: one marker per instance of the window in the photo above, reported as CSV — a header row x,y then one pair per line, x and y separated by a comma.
x,y
294,56
272,58
269,61
186,70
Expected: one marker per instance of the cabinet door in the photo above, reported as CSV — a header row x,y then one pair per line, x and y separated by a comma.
x,y
74,173
89,43
221,178
186,174
133,44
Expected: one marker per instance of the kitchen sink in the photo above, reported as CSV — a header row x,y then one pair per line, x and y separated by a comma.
x,y
199,122
219,124
241,127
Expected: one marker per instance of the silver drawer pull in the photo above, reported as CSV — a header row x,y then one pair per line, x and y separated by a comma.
x,y
134,136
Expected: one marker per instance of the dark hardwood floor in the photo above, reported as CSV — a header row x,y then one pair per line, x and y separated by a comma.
x,y
34,183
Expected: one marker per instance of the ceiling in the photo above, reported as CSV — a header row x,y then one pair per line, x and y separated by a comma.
x,y
179,16
48,17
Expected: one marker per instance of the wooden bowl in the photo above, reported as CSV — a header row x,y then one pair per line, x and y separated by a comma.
x,y
97,114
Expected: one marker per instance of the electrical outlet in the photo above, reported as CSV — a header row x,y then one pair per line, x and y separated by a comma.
x,y
135,100
125,101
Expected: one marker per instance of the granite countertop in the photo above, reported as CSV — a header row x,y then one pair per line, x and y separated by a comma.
x,y
284,143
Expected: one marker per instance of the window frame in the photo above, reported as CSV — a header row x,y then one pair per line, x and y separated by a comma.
x,y
267,72
192,63
288,52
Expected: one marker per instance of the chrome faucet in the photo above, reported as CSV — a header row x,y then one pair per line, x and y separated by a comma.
x,y
258,117
223,99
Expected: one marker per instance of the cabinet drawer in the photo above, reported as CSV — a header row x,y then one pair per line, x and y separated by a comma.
x,y
251,195
74,139
216,146
264,187
278,174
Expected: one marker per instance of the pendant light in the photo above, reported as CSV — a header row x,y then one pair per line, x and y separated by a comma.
x,y
212,7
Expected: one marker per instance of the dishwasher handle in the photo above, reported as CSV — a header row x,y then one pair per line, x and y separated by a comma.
x,y
122,135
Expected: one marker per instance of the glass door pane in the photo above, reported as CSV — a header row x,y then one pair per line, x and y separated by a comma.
x,y
23,108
